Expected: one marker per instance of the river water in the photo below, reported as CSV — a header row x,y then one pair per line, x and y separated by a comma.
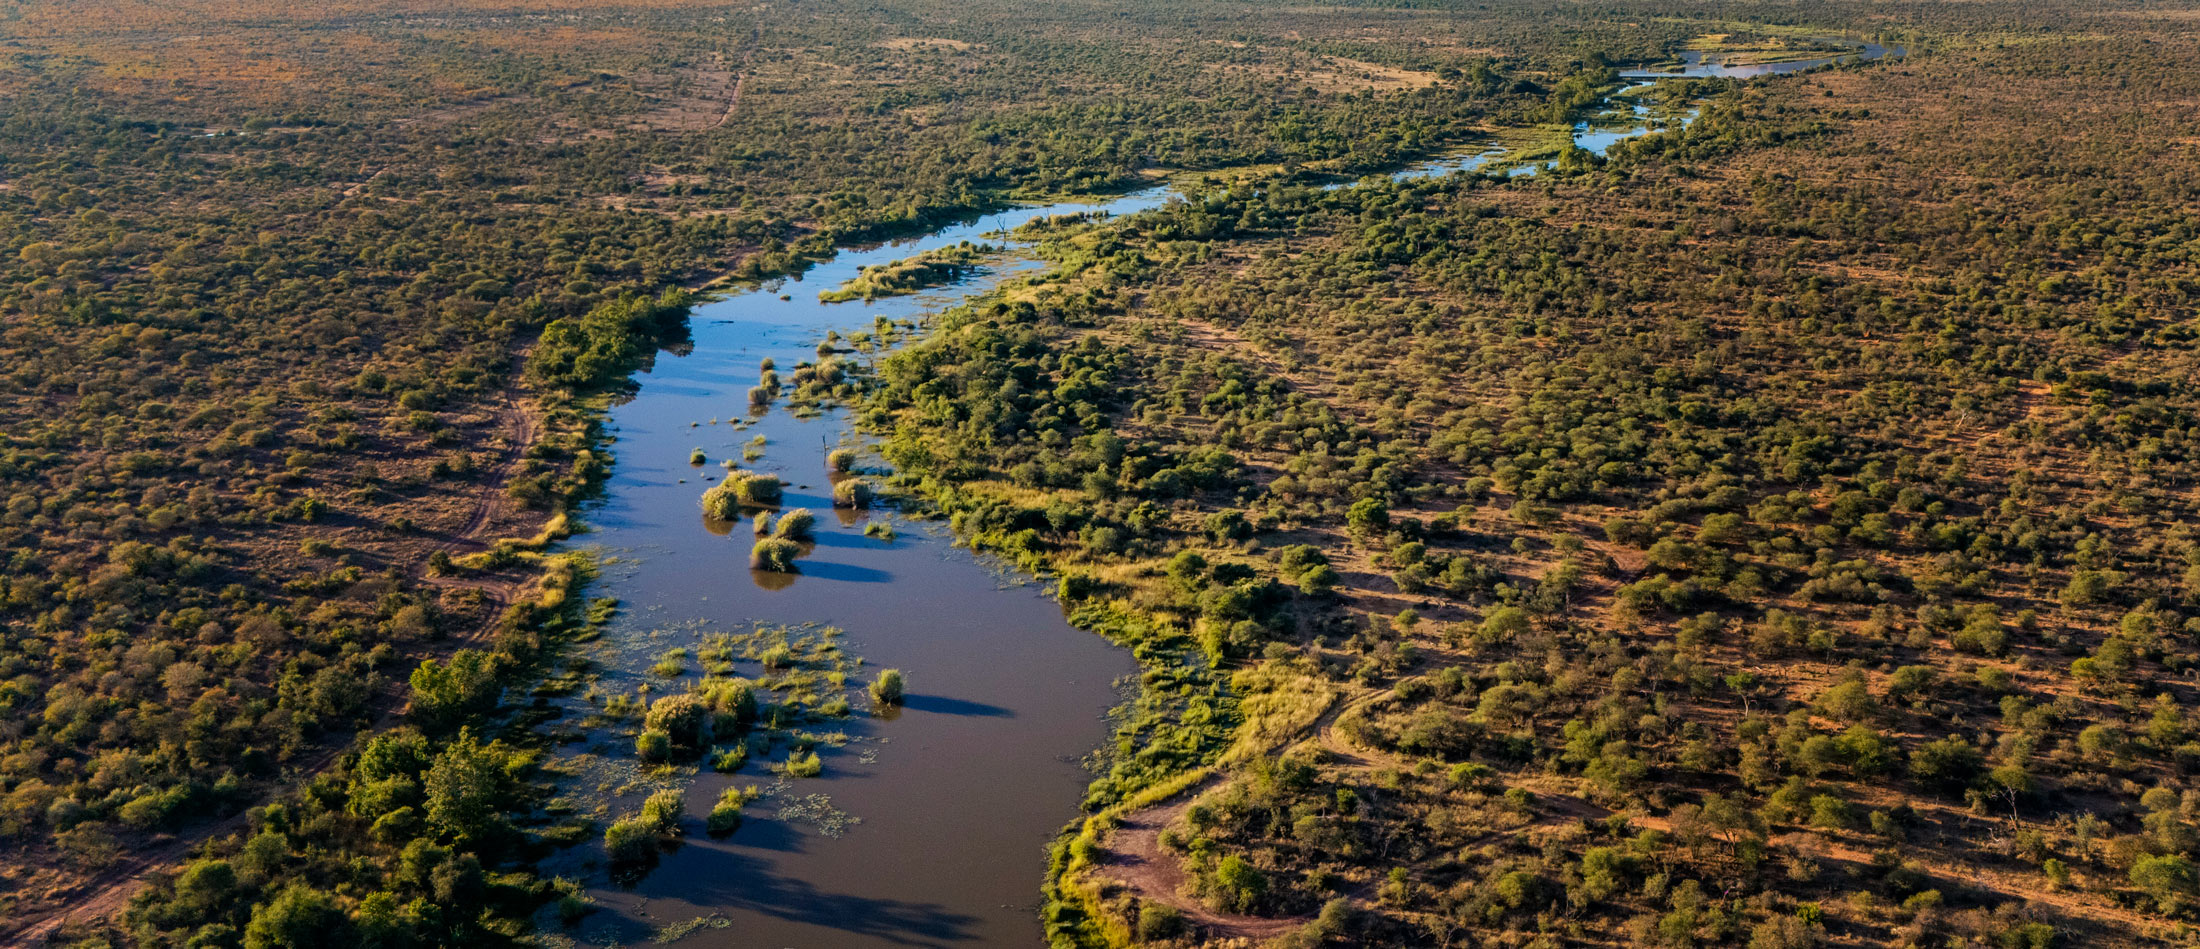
x,y
955,799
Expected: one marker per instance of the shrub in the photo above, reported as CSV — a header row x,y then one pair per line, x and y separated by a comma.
x,y
797,524
661,812
776,554
840,459
629,841
887,690
852,493
1156,922
686,719
725,816
801,764
729,760
653,746
722,501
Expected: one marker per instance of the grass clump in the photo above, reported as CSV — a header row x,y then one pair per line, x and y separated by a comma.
x,y
776,554
841,459
797,525
888,689
853,493
741,488
801,764
725,816
635,839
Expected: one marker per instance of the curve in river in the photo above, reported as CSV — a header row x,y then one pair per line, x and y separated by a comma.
x,y
957,796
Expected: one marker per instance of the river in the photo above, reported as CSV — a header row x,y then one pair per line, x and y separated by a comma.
x,y
954,800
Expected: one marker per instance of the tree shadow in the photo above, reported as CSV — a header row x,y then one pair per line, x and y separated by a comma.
x,y
942,705
738,883
850,573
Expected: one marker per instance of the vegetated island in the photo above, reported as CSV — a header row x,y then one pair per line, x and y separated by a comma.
x,y
909,275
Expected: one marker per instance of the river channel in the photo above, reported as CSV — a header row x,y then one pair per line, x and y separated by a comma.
x,y
935,820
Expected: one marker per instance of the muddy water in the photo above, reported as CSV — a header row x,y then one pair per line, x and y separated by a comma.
x,y
953,800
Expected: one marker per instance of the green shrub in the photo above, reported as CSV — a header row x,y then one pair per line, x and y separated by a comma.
x,y
840,459
853,493
725,816
800,764
629,841
888,688
798,524
1156,922
776,554
654,746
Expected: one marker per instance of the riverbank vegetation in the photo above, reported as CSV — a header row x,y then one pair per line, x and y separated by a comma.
x,y
308,305
1771,535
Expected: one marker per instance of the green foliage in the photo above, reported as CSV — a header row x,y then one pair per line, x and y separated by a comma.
x,y
776,554
887,689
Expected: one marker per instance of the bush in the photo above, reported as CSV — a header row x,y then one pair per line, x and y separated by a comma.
x,y
661,812
796,525
776,554
887,690
852,493
1156,921
840,459
722,501
725,816
685,718
801,764
653,746
629,841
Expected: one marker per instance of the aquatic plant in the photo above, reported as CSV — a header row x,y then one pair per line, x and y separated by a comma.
x,y
669,664
725,816
686,718
724,500
776,554
628,841
802,765
888,687
852,493
796,524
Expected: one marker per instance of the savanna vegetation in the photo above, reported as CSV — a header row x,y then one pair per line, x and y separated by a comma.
x,y
1773,534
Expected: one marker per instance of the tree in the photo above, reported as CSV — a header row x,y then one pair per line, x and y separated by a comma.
x,y
466,793
446,694
1367,517
300,917
2171,879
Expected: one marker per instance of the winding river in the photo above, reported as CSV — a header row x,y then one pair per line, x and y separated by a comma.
x,y
932,824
